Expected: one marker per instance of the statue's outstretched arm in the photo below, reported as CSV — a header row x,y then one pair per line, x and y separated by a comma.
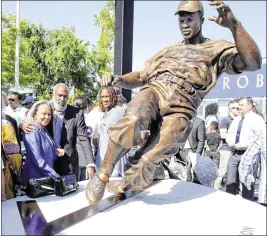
x,y
249,57
133,79
129,81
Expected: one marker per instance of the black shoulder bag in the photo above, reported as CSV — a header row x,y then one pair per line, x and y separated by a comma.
x,y
65,184
40,187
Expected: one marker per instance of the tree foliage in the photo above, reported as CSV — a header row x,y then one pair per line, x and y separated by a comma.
x,y
48,57
103,53
68,60
28,70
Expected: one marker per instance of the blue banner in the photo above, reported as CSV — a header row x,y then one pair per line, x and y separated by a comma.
x,y
251,84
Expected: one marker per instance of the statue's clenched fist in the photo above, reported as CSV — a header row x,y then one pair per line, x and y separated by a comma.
x,y
110,80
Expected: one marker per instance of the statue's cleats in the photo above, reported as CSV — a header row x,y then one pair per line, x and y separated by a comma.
x,y
95,189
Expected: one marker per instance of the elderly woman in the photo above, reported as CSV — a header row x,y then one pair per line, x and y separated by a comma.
x,y
41,150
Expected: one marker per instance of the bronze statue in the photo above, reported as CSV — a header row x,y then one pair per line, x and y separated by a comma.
x,y
177,79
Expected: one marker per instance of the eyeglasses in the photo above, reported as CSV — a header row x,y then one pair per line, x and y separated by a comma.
x,y
233,108
11,100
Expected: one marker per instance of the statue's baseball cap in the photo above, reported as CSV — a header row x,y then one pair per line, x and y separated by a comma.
x,y
189,6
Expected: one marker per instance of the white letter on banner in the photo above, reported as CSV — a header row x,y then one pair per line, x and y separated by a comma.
x,y
226,82
238,83
259,80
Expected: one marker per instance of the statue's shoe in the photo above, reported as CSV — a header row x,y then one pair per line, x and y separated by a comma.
x,y
119,187
115,187
95,189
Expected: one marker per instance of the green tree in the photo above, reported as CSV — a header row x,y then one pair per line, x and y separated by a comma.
x,y
103,52
68,60
28,71
51,56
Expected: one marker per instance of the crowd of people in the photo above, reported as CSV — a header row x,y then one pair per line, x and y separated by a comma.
x,y
236,144
53,138
60,139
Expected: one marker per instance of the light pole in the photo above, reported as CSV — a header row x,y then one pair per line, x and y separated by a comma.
x,y
17,47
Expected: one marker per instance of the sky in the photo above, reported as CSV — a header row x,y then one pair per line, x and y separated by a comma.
x,y
155,25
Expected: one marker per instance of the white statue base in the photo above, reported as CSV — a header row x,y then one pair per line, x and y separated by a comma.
x,y
169,207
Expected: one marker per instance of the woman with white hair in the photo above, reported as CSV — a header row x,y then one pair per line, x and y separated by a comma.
x,y
41,150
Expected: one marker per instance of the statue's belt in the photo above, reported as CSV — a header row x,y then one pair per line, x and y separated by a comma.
x,y
182,84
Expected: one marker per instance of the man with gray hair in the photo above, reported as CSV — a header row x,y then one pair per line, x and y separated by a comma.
x,y
65,128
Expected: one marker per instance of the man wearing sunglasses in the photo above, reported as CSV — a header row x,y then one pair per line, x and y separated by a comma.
x,y
225,152
15,109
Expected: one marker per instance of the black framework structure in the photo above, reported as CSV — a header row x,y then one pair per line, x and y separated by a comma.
x,y
123,47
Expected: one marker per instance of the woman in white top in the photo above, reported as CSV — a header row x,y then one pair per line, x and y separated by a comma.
x,y
107,114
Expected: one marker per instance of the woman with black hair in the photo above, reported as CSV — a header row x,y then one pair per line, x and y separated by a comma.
x,y
211,114
83,103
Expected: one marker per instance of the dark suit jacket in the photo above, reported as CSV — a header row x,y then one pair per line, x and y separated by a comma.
x,y
197,136
73,127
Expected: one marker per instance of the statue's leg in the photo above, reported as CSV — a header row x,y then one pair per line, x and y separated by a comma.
x,y
174,131
141,112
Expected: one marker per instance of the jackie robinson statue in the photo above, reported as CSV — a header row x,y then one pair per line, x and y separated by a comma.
x,y
175,82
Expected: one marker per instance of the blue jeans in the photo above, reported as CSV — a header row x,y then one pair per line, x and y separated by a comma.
x,y
81,173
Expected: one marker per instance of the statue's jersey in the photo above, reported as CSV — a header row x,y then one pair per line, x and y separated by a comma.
x,y
199,65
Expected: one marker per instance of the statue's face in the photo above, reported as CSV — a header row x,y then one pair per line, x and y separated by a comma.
x,y
190,24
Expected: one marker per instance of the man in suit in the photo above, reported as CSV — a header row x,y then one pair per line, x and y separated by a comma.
x,y
194,144
66,126
196,139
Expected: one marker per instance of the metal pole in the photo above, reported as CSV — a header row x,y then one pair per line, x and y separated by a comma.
x,y
17,47
123,45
